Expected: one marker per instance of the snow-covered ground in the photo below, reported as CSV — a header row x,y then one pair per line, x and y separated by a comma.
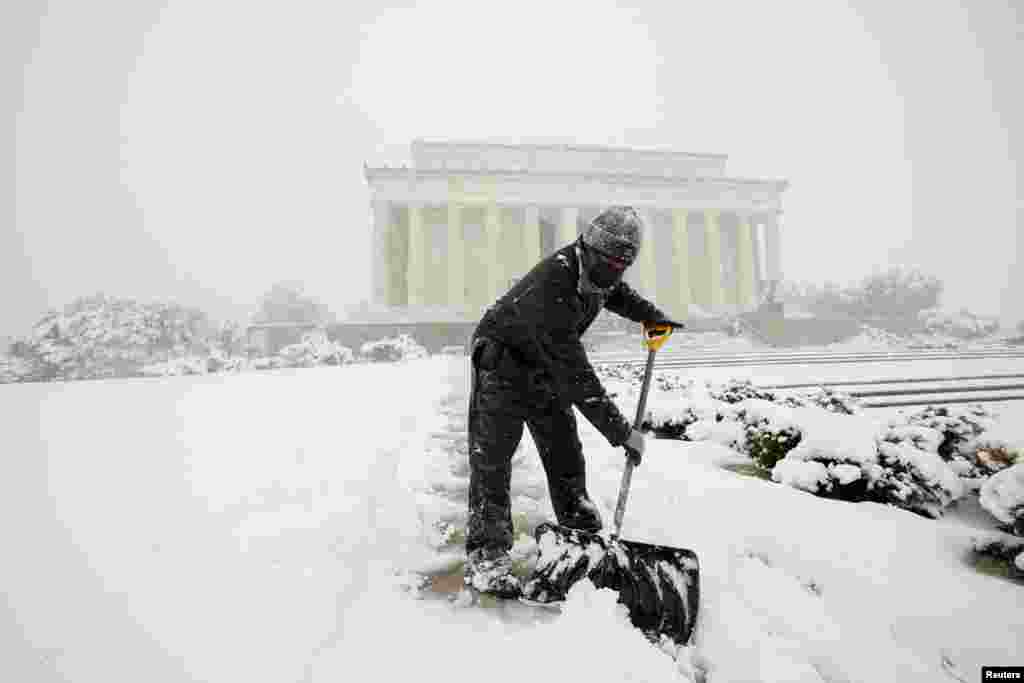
x,y
248,528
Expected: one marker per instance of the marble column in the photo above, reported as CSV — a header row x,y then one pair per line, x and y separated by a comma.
x,y
416,265
646,277
713,242
567,228
531,238
682,296
492,258
380,256
758,241
455,257
773,264
746,295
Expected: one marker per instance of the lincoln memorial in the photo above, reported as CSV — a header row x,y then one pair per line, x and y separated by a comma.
x,y
453,228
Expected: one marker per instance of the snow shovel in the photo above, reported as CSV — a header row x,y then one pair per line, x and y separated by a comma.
x,y
658,584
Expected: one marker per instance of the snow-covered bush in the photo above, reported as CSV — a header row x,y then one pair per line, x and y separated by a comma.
x,y
1005,550
670,421
14,369
1003,496
961,430
314,349
735,391
995,449
668,382
402,347
176,367
961,324
670,407
914,479
824,397
728,433
770,431
622,372
222,361
816,441
874,336
101,336
837,458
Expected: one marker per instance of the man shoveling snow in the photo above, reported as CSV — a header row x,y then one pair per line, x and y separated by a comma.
x,y
529,367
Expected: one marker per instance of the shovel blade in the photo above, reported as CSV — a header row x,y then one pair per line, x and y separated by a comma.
x,y
659,585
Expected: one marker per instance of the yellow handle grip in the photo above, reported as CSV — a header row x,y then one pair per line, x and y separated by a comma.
x,y
656,335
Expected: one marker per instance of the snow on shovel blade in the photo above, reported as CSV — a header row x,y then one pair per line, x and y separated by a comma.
x,y
658,584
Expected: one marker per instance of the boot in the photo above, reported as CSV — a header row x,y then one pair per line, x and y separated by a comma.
x,y
490,571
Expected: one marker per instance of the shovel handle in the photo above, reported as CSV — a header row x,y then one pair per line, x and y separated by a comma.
x,y
627,474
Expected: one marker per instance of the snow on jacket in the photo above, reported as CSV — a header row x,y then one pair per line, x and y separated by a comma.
x,y
543,317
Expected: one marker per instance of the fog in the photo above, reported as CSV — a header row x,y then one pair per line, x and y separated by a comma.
x,y
200,151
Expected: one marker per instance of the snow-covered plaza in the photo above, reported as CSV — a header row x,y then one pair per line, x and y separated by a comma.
x,y
256,526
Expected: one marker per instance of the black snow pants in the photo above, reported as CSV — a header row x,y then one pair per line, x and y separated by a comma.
x,y
506,394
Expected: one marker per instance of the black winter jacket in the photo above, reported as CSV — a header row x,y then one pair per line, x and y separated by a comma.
x,y
542,318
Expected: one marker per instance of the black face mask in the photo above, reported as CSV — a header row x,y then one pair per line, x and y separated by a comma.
x,y
603,275
601,271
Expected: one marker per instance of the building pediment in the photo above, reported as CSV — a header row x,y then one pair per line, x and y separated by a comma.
x,y
533,158
470,172
556,188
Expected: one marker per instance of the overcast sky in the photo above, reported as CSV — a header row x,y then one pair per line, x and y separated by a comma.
x,y
199,150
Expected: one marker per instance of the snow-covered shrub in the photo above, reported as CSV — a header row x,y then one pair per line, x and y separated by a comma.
x,y
668,382
1003,496
770,431
622,372
314,349
14,369
960,429
962,324
670,409
839,458
824,397
874,336
995,450
264,363
897,431
631,373
1007,551
736,390
835,458
728,433
914,479
670,421
220,361
176,367
101,336
402,347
